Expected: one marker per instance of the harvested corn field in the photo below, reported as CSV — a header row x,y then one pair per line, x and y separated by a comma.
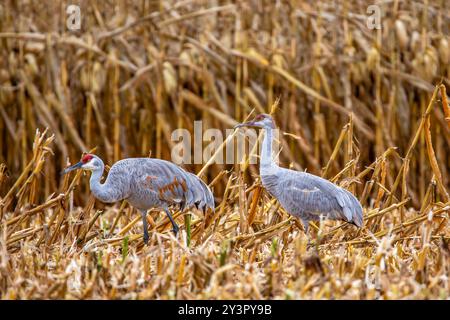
x,y
359,93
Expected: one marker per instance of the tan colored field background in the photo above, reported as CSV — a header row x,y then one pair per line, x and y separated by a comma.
x,y
367,109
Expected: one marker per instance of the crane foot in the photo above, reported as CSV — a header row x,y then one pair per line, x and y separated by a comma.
x,y
175,229
146,237
174,224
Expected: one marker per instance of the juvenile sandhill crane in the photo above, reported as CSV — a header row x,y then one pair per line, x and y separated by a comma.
x,y
147,183
303,195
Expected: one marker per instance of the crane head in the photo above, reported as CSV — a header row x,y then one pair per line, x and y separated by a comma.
x,y
87,162
262,120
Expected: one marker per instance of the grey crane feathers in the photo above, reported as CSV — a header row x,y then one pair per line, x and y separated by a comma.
x,y
203,197
147,183
303,195
307,195
144,180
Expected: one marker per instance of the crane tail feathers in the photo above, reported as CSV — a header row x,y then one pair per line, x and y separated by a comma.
x,y
351,208
357,215
201,196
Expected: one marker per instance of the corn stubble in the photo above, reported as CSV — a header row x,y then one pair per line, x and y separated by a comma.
x,y
137,71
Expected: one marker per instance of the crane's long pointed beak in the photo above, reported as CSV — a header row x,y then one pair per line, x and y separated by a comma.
x,y
74,167
245,124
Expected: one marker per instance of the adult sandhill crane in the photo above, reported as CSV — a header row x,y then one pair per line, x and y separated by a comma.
x,y
147,183
303,195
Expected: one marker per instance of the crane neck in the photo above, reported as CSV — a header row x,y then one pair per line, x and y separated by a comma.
x,y
267,161
96,176
99,190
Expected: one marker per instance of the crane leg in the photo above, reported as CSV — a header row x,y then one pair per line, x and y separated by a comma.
x,y
306,228
144,223
174,224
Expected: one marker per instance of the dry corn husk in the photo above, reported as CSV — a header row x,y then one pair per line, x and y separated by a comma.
x,y
414,43
93,79
34,47
444,51
184,71
4,75
401,33
32,63
12,61
99,77
6,95
373,57
425,64
169,77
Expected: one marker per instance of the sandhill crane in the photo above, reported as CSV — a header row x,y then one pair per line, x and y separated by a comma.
x,y
147,183
301,194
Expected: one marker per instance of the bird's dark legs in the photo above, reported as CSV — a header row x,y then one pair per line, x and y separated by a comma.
x,y
174,225
310,243
144,223
306,227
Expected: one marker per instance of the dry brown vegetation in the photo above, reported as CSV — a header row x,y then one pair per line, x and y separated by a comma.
x,y
367,109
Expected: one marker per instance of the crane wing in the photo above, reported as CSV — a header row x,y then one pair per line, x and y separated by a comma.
x,y
310,196
173,184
